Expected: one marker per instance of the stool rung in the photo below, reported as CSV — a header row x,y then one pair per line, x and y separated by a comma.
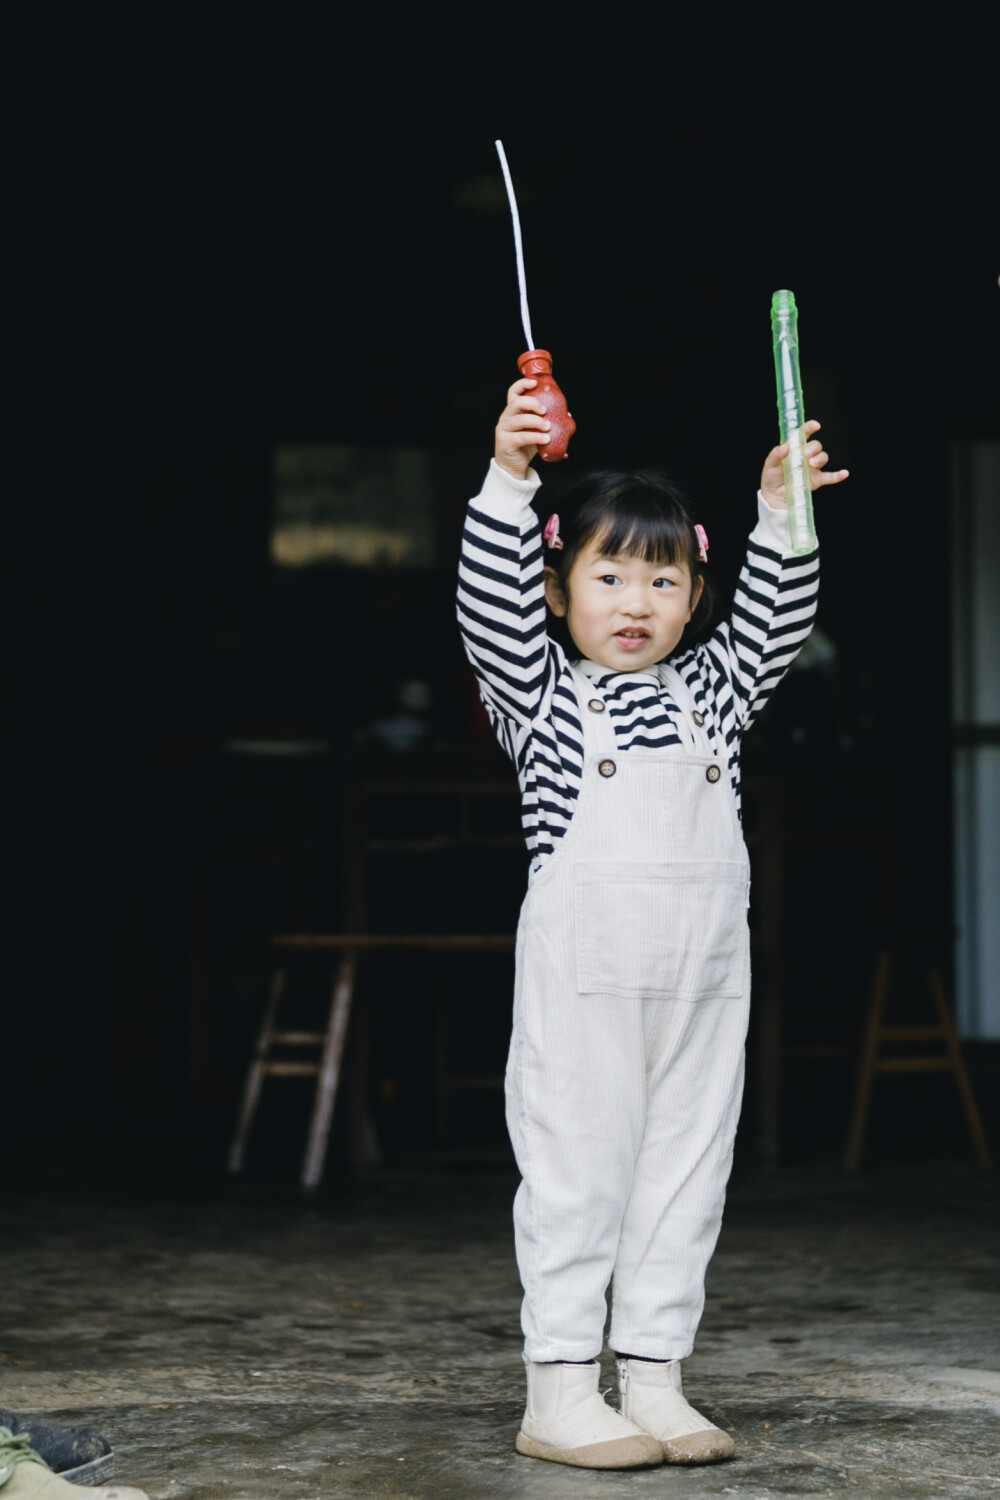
x,y
475,1081
297,1038
817,1051
914,1065
912,1034
291,1069
366,942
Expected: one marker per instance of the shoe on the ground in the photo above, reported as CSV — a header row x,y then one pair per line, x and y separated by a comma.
x,y
76,1453
652,1398
568,1421
24,1476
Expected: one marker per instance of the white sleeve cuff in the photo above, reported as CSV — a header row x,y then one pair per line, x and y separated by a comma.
x,y
772,529
504,497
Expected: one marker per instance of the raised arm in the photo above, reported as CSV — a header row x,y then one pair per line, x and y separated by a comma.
x,y
501,597
775,604
773,613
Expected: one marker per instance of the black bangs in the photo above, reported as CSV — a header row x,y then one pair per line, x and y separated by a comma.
x,y
635,523
631,515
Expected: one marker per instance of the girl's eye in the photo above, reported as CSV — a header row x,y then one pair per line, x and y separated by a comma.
x,y
664,583
610,578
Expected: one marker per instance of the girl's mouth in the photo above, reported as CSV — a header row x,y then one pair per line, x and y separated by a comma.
x,y
631,640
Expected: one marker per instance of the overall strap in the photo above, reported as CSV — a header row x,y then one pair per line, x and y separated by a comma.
x,y
598,731
693,717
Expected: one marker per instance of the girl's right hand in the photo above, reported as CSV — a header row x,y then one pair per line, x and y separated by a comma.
x,y
522,428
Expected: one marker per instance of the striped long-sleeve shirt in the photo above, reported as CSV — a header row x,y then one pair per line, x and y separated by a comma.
x,y
524,676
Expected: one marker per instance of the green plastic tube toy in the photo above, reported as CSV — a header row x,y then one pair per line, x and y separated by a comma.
x,y
791,420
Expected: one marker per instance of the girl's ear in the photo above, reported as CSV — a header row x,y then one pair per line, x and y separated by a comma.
x,y
696,589
555,596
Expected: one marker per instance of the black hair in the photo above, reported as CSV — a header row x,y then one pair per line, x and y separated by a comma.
x,y
642,515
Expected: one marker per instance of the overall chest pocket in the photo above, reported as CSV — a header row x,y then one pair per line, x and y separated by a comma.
x,y
672,930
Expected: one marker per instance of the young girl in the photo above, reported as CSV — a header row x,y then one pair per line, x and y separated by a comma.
x,y
633,978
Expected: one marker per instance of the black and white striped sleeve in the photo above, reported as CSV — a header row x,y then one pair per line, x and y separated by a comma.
x,y
773,613
501,597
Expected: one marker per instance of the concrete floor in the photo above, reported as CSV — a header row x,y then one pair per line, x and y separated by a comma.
x,y
240,1344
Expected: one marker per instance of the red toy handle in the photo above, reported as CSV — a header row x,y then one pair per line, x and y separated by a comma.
x,y
536,364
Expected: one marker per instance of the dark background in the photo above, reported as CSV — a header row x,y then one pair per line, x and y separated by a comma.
x,y
257,226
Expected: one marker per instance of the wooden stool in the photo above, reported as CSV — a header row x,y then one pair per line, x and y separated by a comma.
x,y
948,1060
329,1044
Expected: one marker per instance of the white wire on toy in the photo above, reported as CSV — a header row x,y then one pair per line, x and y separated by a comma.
x,y
518,247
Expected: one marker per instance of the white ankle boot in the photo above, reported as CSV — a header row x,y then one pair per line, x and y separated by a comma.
x,y
651,1397
568,1421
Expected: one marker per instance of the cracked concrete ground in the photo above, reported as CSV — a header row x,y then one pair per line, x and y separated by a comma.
x,y
244,1344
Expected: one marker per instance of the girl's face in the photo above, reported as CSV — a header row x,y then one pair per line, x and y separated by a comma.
x,y
622,612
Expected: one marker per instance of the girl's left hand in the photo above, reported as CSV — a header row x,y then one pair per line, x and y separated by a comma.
x,y
772,484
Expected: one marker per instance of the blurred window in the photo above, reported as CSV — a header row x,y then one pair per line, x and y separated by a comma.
x,y
355,507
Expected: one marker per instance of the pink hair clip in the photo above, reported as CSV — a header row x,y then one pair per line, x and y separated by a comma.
x,y
702,536
551,532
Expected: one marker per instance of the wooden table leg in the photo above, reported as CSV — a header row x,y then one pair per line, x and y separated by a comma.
x,y
869,1059
441,1070
329,1072
257,1072
363,1148
970,1109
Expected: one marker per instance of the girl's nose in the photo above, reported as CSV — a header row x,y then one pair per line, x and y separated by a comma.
x,y
636,606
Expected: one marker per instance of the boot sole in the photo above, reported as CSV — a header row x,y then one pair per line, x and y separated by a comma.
x,y
96,1472
617,1453
713,1453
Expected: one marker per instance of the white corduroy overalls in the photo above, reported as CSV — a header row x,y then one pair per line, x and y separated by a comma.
x,y
625,1073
